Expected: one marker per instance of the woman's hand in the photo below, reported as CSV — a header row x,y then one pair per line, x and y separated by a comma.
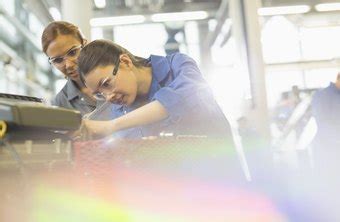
x,y
147,114
95,128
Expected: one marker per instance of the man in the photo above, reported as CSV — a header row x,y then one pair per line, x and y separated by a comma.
x,y
326,111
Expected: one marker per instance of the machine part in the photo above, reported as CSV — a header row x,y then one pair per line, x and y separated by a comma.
x,y
3,129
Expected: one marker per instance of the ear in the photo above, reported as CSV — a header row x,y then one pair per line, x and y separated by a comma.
x,y
126,60
84,42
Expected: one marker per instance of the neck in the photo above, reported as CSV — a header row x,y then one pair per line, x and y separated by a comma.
x,y
79,84
144,78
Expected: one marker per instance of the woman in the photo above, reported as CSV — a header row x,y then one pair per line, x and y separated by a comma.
x,y
159,94
62,42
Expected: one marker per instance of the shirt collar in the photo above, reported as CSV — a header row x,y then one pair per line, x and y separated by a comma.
x,y
72,90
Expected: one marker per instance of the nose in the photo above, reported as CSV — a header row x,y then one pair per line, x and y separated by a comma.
x,y
109,96
69,63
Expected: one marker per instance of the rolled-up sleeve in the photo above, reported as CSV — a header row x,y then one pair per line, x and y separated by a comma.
x,y
181,94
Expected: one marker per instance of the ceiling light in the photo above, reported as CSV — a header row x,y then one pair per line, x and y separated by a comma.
x,y
179,16
100,3
283,10
325,7
119,20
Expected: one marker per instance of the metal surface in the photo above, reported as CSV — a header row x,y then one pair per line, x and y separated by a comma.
x,y
37,115
37,154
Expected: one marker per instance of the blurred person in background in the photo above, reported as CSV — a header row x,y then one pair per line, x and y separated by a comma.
x,y
247,132
61,42
326,111
284,110
296,95
154,95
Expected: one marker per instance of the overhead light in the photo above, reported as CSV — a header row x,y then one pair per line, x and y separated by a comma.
x,y
100,3
179,16
325,7
55,13
118,20
283,10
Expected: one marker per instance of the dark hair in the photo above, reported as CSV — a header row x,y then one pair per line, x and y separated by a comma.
x,y
103,53
56,28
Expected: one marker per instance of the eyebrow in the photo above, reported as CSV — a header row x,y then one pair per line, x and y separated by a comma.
x,y
101,82
64,53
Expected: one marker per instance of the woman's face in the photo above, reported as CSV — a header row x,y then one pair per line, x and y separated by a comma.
x,y
63,53
118,88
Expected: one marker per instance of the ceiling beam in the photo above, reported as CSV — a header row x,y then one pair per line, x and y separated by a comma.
x,y
303,65
221,16
123,11
40,9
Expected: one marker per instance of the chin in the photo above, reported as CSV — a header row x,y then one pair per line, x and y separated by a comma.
x,y
75,78
129,101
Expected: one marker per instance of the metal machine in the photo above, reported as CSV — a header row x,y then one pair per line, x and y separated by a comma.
x,y
33,133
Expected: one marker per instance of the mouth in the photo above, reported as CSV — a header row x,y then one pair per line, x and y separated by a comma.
x,y
124,100
121,100
73,74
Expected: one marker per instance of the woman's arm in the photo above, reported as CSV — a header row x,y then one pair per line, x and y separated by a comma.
x,y
177,98
147,114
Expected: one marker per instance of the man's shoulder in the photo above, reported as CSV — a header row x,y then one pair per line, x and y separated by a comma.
x,y
324,91
319,94
322,96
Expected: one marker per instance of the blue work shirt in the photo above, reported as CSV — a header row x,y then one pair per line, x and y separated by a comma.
x,y
70,97
326,109
179,86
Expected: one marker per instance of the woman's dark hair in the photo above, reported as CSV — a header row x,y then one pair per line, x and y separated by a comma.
x,y
56,28
103,53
